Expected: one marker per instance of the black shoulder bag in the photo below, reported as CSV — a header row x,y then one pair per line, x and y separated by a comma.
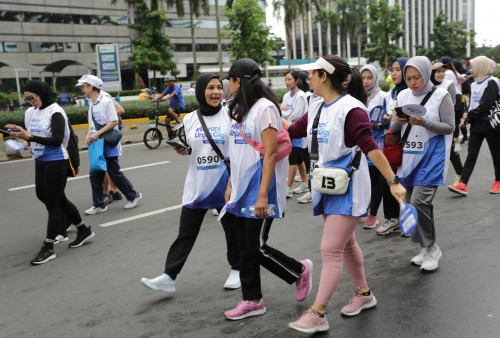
x,y
212,143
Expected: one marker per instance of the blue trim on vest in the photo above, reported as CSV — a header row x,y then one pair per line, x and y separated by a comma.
x,y
51,153
213,195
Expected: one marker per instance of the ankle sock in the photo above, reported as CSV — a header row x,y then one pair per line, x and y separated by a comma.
x,y
319,314
367,293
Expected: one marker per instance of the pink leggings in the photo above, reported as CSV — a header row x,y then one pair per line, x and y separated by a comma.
x,y
338,245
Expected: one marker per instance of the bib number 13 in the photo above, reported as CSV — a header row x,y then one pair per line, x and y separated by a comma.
x,y
328,183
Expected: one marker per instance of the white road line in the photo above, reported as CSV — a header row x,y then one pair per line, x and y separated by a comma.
x,y
81,152
147,214
84,176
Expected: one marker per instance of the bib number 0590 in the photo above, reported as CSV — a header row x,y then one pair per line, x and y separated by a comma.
x,y
208,159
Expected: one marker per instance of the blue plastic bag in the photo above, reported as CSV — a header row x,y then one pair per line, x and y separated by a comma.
x,y
96,156
408,218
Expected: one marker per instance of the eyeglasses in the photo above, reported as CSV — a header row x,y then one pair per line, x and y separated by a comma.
x,y
30,99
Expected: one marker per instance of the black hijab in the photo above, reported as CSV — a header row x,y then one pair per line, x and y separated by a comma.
x,y
42,89
201,86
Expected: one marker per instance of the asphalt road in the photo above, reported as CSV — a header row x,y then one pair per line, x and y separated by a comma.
x,y
95,290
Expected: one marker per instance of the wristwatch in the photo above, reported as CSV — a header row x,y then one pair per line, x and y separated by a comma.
x,y
395,180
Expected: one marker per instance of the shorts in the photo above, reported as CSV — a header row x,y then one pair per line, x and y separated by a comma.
x,y
178,110
295,156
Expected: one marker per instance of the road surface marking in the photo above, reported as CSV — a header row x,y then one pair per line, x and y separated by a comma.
x,y
147,214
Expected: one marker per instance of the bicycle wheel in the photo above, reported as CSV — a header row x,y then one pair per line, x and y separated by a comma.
x,y
181,133
152,138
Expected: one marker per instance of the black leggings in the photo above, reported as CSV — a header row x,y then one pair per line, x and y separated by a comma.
x,y
50,182
480,130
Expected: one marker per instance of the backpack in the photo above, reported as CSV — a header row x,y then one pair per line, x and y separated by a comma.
x,y
73,154
284,144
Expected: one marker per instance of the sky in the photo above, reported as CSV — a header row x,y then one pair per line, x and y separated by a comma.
x,y
487,22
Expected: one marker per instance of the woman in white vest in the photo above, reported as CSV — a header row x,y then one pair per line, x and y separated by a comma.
x,y
484,92
391,207
379,121
438,79
206,183
425,154
258,183
47,136
343,131
294,105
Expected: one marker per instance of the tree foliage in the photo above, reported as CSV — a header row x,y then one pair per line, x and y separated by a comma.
x,y
493,53
450,39
152,49
293,9
249,36
385,28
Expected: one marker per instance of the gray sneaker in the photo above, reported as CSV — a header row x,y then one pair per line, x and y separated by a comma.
x,y
418,259
431,259
133,203
161,283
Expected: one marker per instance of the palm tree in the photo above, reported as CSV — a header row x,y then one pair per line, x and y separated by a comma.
x,y
195,8
292,8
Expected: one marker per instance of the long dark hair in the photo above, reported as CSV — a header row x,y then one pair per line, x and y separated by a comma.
x,y
250,91
338,77
356,88
303,81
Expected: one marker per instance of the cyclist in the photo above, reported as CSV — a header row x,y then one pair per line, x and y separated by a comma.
x,y
173,93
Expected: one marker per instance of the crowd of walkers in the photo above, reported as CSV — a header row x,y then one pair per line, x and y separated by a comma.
x,y
333,121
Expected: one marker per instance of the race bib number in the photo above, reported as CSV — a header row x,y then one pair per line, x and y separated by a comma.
x,y
208,160
414,147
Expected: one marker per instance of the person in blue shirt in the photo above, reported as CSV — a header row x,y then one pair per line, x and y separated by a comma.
x,y
173,93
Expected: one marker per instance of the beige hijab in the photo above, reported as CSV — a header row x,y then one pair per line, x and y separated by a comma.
x,y
482,68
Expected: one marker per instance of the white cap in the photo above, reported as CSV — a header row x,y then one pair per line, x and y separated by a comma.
x,y
91,80
319,64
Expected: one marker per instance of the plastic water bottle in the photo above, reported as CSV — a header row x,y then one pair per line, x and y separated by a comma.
x,y
271,210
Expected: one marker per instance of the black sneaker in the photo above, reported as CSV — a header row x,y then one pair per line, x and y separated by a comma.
x,y
82,236
46,254
116,195
108,198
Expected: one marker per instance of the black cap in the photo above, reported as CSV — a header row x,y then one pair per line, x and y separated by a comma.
x,y
243,68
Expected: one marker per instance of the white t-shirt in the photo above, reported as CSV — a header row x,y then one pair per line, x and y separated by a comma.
x,y
104,111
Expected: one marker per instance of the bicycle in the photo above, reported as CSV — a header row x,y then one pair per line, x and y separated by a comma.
x,y
153,136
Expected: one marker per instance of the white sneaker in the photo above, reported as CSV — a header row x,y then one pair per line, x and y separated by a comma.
x,y
297,178
233,280
306,198
431,259
95,210
61,238
289,193
215,212
418,259
301,189
161,283
457,146
133,203
71,228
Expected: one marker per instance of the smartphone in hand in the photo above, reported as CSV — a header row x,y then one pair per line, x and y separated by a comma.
x,y
176,144
399,113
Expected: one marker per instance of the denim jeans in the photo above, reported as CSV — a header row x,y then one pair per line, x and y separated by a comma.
x,y
119,179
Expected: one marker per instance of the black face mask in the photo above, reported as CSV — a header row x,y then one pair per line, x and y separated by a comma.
x,y
201,86
42,89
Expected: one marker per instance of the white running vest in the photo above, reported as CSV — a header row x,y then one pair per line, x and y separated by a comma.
x,y
246,165
38,123
334,153
290,103
425,154
477,90
207,176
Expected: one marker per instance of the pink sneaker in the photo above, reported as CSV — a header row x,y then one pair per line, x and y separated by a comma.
x,y
246,308
310,322
359,302
459,188
495,189
371,222
304,282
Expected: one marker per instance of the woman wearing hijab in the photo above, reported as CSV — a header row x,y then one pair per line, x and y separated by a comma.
x,y
484,93
205,184
391,210
379,120
438,79
47,134
425,154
